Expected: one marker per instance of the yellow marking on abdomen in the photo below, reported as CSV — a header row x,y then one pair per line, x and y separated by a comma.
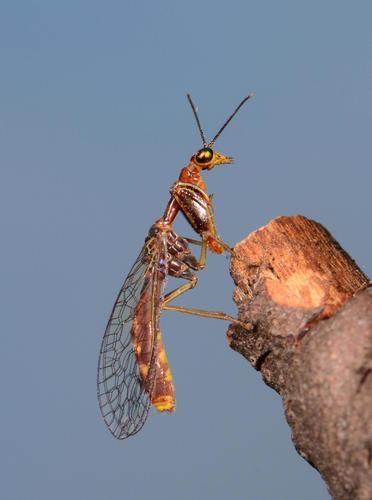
x,y
164,403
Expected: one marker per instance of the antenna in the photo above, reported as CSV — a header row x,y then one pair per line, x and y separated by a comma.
x,y
228,121
197,120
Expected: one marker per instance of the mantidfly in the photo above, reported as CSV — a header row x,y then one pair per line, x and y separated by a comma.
x,y
133,371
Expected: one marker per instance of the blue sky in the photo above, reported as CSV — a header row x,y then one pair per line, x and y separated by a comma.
x,y
94,128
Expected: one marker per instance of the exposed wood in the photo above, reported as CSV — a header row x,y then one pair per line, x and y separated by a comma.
x,y
311,311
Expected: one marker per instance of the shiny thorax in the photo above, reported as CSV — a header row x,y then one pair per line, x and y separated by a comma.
x,y
190,195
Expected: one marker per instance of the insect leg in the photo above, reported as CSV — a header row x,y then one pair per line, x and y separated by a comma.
x,y
175,269
178,291
200,243
193,242
206,314
203,253
196,312
222,243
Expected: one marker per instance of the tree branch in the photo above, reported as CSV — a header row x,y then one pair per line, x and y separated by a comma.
x,y
311,313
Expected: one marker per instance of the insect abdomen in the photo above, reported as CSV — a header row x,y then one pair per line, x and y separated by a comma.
x,y
163,393
149,350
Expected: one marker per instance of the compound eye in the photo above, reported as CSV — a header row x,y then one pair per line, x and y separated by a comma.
x,y
203,156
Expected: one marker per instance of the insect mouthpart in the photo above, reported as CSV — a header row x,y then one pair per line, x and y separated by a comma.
x,y
222,160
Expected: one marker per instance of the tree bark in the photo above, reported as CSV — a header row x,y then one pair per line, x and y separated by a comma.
x,y
310,308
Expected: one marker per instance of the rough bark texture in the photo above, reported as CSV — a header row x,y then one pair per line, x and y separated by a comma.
x,y
311,313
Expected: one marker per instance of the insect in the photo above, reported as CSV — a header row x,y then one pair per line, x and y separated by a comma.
x,y
189,193
133,371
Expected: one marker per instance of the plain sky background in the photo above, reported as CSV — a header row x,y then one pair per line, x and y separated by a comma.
x,y
94,128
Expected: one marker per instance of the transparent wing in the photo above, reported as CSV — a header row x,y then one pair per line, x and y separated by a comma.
x,y
123,400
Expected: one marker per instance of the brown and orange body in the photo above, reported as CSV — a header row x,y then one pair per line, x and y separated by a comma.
x,y
168,254
148,345
133,370
189,194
